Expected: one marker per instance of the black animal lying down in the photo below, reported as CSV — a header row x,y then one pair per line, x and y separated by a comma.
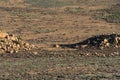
x,y
98,41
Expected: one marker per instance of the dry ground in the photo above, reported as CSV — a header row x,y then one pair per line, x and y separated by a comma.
x,y
65,24
47,23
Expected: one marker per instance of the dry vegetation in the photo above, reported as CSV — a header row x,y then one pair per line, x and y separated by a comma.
x,y
46,22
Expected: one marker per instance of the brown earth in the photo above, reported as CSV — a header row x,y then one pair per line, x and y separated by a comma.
x,y
46,26
58,25
55,25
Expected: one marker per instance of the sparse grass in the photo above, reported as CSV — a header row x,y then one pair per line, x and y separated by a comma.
x,y
115,18
60,68
4,0
58,65
74,10
50,12
111,15
48,3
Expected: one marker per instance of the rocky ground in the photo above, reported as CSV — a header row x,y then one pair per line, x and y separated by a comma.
x,y
41,23
10,44
100,45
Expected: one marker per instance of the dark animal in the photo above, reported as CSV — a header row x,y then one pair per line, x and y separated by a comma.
x,y
98,41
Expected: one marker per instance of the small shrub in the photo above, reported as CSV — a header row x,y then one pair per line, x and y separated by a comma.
x,y
115,18
111,15
74,10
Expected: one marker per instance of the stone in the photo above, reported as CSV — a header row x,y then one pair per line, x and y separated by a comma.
x,y
35,53
3,35
10,43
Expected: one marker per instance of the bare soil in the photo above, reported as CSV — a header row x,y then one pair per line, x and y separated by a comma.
x,y
66,24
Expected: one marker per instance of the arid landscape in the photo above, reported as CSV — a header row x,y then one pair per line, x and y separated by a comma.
x,y
44,23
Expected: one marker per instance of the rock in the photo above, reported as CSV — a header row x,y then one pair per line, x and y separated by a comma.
x,y
35,53
2,51
10,43
3,35
57,46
